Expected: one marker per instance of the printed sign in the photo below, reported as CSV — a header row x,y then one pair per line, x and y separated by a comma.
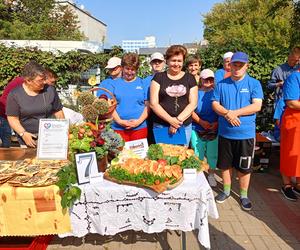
x,y
140,147
53,139
86,167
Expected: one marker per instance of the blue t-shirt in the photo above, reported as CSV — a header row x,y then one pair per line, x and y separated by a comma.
x,y
219,75
131,97
234,95
279,108
204,109
291,87
107,84
147,82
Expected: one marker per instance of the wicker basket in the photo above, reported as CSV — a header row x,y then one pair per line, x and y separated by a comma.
x,y
108,114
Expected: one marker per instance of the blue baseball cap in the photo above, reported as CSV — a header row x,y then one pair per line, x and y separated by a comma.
x,y
239,57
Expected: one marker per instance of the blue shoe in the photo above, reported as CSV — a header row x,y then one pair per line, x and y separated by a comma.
x,y
221,197
246,204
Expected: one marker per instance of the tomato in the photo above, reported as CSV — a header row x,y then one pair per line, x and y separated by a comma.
x,y
162,162
167,179
81,130
101,126
80,136
157,182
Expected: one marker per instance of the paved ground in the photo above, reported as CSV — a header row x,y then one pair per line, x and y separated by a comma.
x,y
273,223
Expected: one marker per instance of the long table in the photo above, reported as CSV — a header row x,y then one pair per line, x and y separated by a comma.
x,y
107,208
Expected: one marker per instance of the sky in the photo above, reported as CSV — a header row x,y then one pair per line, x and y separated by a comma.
x,y
170,21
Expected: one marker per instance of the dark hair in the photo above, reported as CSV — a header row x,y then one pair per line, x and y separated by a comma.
x,y
175,50
295,50
130,60
32,69
193,59
50,73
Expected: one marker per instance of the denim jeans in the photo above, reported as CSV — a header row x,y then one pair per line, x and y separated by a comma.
x,y
5,133
188,132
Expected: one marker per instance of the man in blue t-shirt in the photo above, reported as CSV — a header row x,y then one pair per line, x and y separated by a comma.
x,y
115,71
237,99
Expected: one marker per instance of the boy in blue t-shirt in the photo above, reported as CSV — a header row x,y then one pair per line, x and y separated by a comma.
x,y
236,100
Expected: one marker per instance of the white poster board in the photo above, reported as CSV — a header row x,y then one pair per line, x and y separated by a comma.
x,y
140,147
86,167
53,139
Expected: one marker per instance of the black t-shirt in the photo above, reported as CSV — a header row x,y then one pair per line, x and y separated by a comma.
x,y
174,95
30,109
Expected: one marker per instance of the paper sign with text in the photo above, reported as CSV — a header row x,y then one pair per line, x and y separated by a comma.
x,y
53,139
140,147
190,174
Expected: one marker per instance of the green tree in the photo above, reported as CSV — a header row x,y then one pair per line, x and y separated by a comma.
x,y
247,23
295,20
38,19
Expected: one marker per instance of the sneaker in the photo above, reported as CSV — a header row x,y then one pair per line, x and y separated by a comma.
x,y
221,197
211,180
246,204
288,193
296,191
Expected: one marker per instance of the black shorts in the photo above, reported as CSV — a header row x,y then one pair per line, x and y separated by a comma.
x,y
238,154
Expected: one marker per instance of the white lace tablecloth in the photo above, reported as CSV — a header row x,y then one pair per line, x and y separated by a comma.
x,y
107,208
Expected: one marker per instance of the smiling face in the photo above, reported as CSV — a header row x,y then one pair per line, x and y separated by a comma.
x,y
194,68
175,64
238,70
129,73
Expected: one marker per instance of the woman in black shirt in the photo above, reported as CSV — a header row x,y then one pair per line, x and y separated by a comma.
x,y
174,94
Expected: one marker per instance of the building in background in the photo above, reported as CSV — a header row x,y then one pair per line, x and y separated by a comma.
x,y
55,45
135,45
94,29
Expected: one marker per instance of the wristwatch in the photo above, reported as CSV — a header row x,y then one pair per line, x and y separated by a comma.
x,y
22,133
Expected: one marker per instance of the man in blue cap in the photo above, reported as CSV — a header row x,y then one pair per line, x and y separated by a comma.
x,y
237,99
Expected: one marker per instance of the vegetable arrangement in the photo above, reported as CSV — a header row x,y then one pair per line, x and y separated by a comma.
x,y
85,138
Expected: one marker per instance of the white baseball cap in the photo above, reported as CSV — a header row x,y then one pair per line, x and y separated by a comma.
x,y
157,56
207,73
113,62
227,55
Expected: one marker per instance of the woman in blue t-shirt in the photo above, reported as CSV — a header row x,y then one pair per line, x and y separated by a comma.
x,y
204,139
132,108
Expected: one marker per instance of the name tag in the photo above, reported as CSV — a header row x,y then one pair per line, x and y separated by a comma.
x,y
190,174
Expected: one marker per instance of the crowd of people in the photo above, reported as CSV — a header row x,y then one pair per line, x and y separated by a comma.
x,y
215,111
